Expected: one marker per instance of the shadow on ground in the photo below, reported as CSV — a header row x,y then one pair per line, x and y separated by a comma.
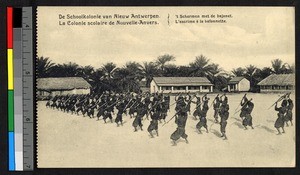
x,y
216,133
267,129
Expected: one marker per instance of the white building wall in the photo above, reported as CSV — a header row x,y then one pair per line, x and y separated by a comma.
x,y
68,92
174,89
153,87
244,85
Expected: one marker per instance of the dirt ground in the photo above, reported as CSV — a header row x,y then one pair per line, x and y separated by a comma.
x,y
66,140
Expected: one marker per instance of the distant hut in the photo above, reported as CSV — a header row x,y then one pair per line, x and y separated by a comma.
x,y
180,84
62,86
277,83
238,84
143,86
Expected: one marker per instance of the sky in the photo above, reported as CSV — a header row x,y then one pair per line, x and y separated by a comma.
x,y
254,35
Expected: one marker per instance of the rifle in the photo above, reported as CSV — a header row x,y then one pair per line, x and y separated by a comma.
x,y
240,102
133,104
280,99
205,94
98,101
124,109
170,119
178,112
139,103
153,106
67,100
242,107
111,105
213,101
173,103
222,95
102,104
197,106
175,100
81,101
126,106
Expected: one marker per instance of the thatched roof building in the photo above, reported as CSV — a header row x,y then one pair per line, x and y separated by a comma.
x,y
62,86
277,82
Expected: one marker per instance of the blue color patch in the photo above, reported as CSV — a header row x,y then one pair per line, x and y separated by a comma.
x,y
11,151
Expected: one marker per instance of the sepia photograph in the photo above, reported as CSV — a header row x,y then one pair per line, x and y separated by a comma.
x,y
135,87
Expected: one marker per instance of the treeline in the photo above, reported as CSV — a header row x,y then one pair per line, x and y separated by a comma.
x,y
127,78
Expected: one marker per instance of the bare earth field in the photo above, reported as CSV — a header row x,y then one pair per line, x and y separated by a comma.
x,y
66,140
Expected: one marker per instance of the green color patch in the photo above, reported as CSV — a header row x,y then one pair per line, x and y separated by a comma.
x,y
10,110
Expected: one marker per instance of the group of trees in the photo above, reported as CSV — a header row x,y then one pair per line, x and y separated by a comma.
x,y
255,75
127,78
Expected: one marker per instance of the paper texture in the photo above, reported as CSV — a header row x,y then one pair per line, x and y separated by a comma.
x,y
231,37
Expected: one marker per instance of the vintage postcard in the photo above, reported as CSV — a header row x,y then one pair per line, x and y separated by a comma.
x,y
165,87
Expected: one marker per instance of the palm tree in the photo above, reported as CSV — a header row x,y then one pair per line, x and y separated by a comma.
x,y
65,70
163,59
125,81
70,69
214,68
200,67
183,71
265,72
250,70
250,75
109,70
96,80
44,67
220,82
86,72
170,70
214,71
135,69
277,66
149,70
238,72
292,68
287,69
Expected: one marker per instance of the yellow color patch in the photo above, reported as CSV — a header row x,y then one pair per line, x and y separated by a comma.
x,y
10,69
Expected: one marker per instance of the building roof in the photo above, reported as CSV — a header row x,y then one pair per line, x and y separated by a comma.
x,y
181,81
278,79
235,80
62,83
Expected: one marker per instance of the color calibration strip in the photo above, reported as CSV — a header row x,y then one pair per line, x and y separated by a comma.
x,y
10,71
20,88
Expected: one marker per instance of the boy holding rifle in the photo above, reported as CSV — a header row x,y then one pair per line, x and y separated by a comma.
x,y
203,113
155,115
224,115
279,123
244,106
197,111
141,111
216,106
121,109
180,120
248,110
289,113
